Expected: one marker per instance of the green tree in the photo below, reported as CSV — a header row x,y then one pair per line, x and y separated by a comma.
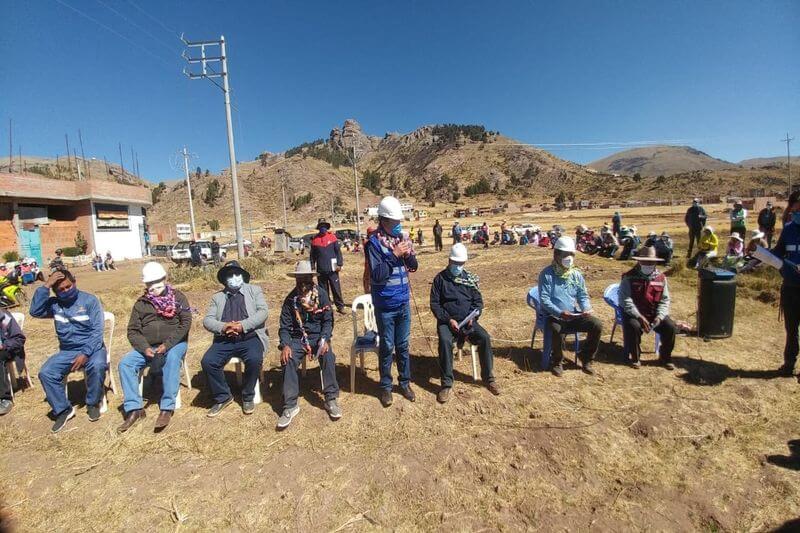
x,y
372,180
212,192
157,191
637,177
81,243
198,172
480,187
213,225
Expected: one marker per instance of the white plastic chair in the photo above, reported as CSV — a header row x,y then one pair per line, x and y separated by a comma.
x,y
238,362
473,350
366,342
178,402
11,368
109,323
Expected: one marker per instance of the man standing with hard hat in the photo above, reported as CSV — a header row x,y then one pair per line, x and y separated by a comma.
x,y
390,256
326,259
565,301
454,298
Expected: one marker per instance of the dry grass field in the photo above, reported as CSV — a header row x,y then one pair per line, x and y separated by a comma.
x,y
646,450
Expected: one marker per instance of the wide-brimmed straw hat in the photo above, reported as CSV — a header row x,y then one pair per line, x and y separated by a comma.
x,y
647,254
302,268
231,268
735,235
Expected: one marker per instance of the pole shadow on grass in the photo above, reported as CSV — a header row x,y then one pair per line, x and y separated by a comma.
x,y
791,461
703,372
790,526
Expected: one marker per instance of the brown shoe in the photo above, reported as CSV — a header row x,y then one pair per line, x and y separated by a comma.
x,y
493,388
163,420
444,394
132,417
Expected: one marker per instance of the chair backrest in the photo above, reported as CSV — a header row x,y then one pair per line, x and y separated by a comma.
x,y
534,302
108,317
365,301
611,297
20,318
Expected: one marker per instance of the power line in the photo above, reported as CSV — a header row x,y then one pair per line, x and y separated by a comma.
x,y
148,15
135,25
115,32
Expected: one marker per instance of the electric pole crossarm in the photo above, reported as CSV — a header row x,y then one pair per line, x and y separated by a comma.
x,y
202,59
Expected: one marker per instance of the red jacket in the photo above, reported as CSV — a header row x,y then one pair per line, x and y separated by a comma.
x,y
646,292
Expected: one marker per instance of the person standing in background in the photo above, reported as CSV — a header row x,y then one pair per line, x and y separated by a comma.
x,y
695,220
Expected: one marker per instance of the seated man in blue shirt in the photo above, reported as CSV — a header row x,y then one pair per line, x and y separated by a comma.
x,y
454,296
564,299
79,321
305,331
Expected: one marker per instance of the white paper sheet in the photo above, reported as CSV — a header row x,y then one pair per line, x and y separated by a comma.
x,y
470,316
767,257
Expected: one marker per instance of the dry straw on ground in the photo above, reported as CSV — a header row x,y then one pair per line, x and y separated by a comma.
x,y
625,450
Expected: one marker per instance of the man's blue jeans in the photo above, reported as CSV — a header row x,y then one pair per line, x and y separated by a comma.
x,y
55,370
394,328
134,362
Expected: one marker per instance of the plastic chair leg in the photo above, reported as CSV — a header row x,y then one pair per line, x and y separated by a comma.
x,y
353,370
658,343
238,367
613,330
186,374
304,366
9,376
474,351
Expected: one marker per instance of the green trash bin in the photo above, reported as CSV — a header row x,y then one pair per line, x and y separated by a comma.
x,y
716,303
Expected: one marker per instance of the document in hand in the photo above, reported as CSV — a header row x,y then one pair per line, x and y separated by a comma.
x,y
470,316
767,257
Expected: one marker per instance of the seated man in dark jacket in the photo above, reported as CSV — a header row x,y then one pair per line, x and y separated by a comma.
x,y
305,331
12,349
158,331
454,296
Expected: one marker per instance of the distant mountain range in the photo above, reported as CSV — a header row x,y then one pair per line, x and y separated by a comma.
x,y
659,161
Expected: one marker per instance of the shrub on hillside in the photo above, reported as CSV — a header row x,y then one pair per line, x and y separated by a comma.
x,y
481,187
449,133
10,256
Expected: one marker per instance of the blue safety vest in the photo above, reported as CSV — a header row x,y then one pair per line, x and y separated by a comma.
x,y
394,292
790,237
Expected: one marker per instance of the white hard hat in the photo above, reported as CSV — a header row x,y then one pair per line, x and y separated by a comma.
x,y
565,244
458,253
153,271
390,208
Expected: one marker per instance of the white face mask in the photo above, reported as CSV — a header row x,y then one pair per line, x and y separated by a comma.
x,y
567,261
157,289
647,269
235,281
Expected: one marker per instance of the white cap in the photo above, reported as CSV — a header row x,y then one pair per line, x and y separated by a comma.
x,y
458,253
565,244
153,271
390,208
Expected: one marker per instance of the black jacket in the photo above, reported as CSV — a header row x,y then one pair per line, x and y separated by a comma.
x,y
316,325
695,217
450,300
766,219
324,249
146,328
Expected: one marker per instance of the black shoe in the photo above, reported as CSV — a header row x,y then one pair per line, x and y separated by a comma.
x,y
444,394
218,407
557,370
248,407
61,420
94,412
386,398
341,310
588,367
408,394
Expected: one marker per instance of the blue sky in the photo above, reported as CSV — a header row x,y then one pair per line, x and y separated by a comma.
x,y
721,76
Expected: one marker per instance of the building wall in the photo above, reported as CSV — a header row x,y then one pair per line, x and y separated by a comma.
x,y
61,231
122,243
8,234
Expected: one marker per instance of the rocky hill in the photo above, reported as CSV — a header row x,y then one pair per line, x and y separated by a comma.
x,y
762,162
65,169
658,161
456,165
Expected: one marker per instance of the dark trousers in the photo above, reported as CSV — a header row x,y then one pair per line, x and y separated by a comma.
x,y
250,351
768,234
478,337
591,325
5,357
330,282
437,243
632,333
694,236
291,384
790,304
608,250
740,229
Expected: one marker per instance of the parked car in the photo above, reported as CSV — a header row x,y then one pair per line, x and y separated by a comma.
x,y
520,229
307,239
469,232
232,244
296,244
160,250
180,252
344,234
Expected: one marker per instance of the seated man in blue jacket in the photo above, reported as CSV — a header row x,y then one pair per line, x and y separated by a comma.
x,y
564,299
12,348
454,296
305,331
390,257
79,321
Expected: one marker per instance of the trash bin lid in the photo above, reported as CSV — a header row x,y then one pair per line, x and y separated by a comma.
x,y
716,273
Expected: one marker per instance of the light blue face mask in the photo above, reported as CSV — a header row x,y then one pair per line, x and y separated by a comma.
x,y
456,270
235,281
397,230
796,217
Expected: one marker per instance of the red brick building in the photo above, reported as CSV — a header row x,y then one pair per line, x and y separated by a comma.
x,y
38,215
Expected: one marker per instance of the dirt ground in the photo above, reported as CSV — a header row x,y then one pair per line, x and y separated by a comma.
x,y
705,447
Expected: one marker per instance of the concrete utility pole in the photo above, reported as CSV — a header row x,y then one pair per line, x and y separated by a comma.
x,y
78,165
358,203
83,156
205,62
69,161
10,149
189,188
283,193
121,164
788,140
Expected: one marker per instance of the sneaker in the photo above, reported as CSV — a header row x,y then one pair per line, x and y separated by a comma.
x,y
444,394
94,412
408,394
218,407
386,398
493,388
588,368
558,370
334,411
132,417
288,415
61,420
248,407
5,407
636,364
